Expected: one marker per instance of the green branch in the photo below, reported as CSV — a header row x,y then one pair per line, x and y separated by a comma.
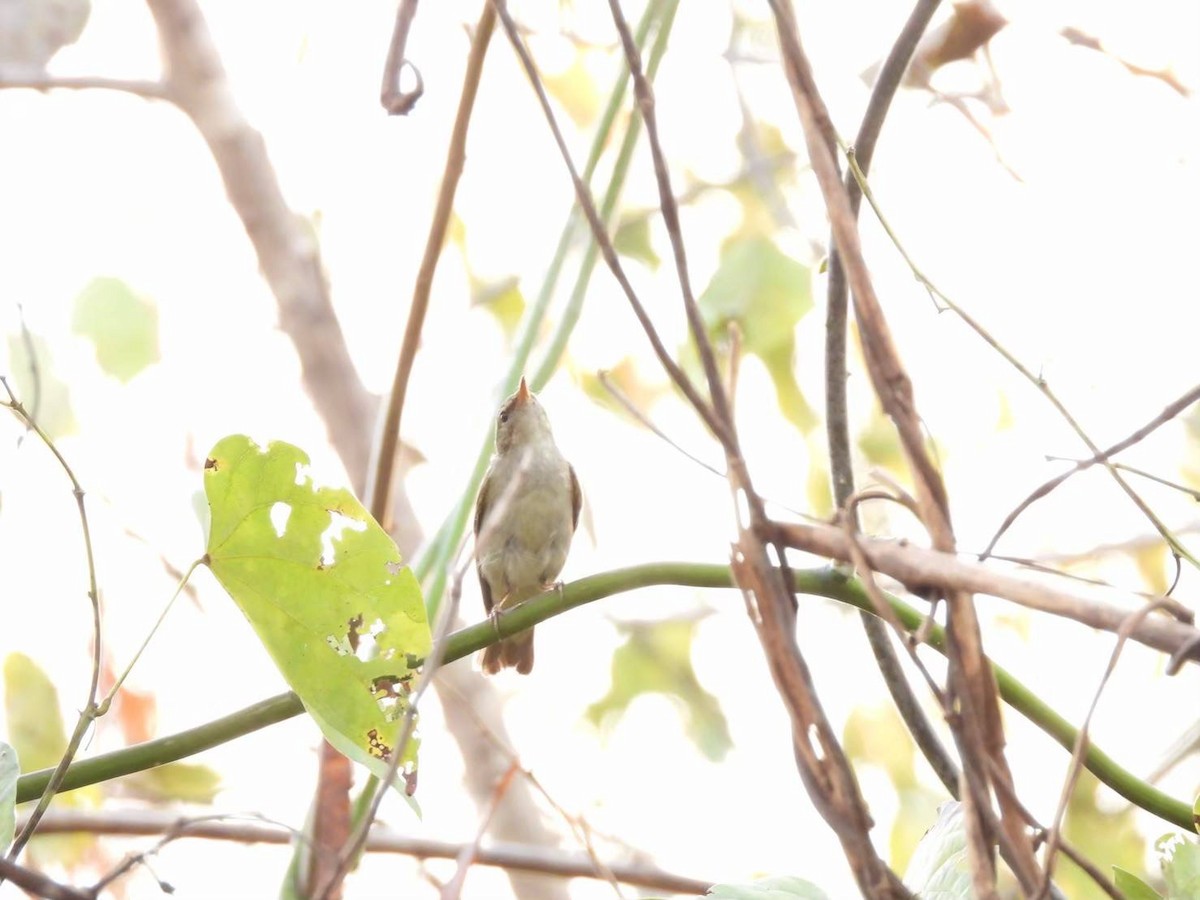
x,y
823,582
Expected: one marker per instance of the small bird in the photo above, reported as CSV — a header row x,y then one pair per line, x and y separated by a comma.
x,y
525,517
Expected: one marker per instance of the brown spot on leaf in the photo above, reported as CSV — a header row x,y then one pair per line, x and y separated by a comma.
x,y
353,631
377,747
386,685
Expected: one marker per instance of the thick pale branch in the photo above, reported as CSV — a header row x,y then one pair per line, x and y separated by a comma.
x,y
918,567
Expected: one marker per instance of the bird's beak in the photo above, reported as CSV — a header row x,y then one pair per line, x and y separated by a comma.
x,y
523,396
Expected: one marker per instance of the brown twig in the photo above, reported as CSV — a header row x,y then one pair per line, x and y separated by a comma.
x,y
398,102
577,824
456,156
325,873
820,758
644,95
646,422
519,857
1166,76
468,854
607,251
37,884
837,429
972,686
1169,412
1076,767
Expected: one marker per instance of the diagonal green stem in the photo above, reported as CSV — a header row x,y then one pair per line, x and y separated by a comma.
x,y
823,582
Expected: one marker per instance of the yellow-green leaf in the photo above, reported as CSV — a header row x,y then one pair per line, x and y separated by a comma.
x,y
122,326
766,293
35,726
185,782
656,658
324,588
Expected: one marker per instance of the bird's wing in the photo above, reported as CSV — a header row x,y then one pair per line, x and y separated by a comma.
x,y
481,504
576,497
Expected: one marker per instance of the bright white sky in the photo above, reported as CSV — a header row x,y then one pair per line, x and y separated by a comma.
x,y
1084,269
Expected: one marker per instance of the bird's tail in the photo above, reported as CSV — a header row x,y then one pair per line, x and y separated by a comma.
x,y
514,652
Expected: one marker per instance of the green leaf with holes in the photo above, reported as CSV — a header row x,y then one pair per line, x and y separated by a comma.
x,y
324,587
1180,858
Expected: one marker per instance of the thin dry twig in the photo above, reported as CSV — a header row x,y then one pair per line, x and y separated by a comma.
x,y
91,711
520,857
826,771
837,429
456,155
578,825
453,889
1036,380
37,884
971,683
1081,741
1169,412
607,251
646,422
1082,39
396,101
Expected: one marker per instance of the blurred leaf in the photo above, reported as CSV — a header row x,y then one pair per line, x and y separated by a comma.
x,y
1180,858
503,299
769,174
766,293
122,326
1151,562
877,735
35,730
633,240
1098,834
880,444
10,770
783,887
939,867
624,377
44,396
325,590
136,711
817,485
1133,887
575,88
456,231
657,658
178,781
1004,416
35,726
